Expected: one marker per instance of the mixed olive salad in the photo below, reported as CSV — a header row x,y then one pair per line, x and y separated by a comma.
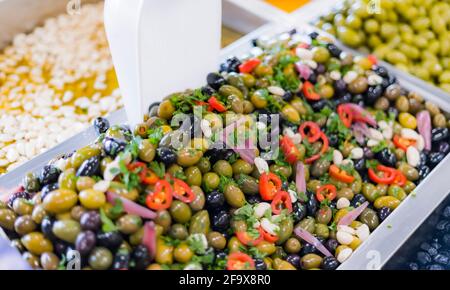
x,y
352,145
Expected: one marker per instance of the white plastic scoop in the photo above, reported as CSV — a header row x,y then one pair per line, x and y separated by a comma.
x,y
161,47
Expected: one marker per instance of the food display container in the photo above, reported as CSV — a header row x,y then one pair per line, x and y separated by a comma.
x,y
374,252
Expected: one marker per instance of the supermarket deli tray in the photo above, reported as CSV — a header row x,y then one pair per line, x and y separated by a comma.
x,y
381,244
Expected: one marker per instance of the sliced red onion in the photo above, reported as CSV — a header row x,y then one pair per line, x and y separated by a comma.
x,y
353,215
424,127
360,130
300,181
131,207
303,70
248,155
309,238
360,114
149,238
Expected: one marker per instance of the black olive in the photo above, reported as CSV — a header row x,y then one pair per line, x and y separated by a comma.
x,y
121,260
141,257
215,200
312,78
358,99
346,98
221,220
230,65
386,157
340,87
113,146
90,221
331,245
381,71
368,154
357,200
217,153
60,248
313,35
424,170
253,199
439,134
334,50
384,213
308,249
254,42
294,260
46,228
287,96
89,167
110,240
434,158
317,106
207,90
153,109
333,140
166,155
443,147
15,195
385,83
360,165
47,189
392,79
101,125
330,263
311,205
320,69
393,111
423,258
372,94
298,211
423,158
49,174
260,264
215,80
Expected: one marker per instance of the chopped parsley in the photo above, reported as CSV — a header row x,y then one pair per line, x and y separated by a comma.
x,y
379,147
129,178
107,224
155,135
372,164
159,168
117,209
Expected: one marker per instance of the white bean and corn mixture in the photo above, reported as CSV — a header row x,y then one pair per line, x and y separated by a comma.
x,y
53,83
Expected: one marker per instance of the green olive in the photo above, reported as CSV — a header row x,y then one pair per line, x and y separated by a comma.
x,y
248,79
200,223
121,189
31,183
320,167
439,121
36,243
84,182
358,86
38,213
129,224
193,176
402,104
299,105
83,154
180,212
237,105
289,113
248,107
224,168
22,206
146,150
324,215
204,165
241,166
67,180
234,196
175,170
136,238
234,245
182,253
283,170
313,185
164,253
24,225
370,218
266,248
410,172
228,90
292,246
259,99
382,104
141,130
76,212
211,181
308,224
345,192
285,232
178,231
386,201
49,261
409,187
248,184
310,261
199,201
279,264
263,70
164,219
66,230
322,231
60,200
188,156
92,199
370,192
397,192
166,110
216,240
100,258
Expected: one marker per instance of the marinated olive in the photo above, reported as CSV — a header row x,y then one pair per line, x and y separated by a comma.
x,y
180,212
66,230
100,258
36,243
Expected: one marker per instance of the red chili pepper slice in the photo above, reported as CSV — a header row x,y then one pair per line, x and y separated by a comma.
x,y
327,191
201,103
399,179
282,200
249,65
269,185
161,197
148,176
310,130
216,105
322,151
289,149
340,174
388,177
269,237
136,165
372,58
403,143
245,238
182,191
309,91
240,261
346,115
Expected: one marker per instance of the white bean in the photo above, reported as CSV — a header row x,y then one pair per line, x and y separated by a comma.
x,y
269,226
412,156
337,157
363,232
356,153
342,203
375,134
261,209
344,255
409,134
276,90
344,238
